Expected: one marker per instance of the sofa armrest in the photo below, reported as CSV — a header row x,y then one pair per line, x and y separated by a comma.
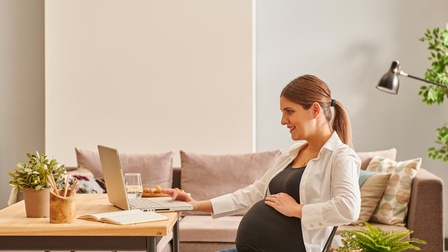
x,y
425,216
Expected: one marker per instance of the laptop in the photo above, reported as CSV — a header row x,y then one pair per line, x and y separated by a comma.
x,y
116,190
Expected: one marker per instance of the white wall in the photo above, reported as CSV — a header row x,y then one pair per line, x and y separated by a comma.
x,y
148,76
21,85
351,44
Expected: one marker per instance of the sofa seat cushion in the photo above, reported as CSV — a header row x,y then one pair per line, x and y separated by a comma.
x,y
203,228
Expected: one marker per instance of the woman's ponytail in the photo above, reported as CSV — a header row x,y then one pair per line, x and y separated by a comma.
x,y
341,123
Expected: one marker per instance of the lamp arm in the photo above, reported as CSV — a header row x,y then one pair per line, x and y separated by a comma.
x,y
421,79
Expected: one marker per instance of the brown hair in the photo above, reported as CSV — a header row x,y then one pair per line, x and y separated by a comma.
x,y
307,89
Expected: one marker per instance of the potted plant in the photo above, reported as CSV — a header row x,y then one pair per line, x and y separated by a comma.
x,y
374,239
32,178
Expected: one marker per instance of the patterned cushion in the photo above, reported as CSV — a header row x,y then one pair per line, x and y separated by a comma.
x,y
373,185
156,169
88,184
393,206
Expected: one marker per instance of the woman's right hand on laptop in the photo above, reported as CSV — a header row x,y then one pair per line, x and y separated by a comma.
x,y
178,194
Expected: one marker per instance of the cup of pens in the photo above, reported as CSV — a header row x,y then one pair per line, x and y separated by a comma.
x,y
63,203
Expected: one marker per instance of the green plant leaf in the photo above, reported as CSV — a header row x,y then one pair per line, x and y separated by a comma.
x,y
374,239
437,40
33,174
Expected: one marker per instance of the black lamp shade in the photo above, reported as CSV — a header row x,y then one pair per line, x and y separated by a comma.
x,y
389,82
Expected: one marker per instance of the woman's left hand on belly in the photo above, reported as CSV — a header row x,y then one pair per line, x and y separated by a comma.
x,y
284,204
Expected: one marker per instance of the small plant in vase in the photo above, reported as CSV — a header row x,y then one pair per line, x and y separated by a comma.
x,y
33,177
374,239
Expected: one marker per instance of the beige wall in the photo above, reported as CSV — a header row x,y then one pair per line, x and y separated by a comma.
x,y
21,85
151,76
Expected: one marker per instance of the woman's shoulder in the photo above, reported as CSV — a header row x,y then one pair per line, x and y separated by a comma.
x,y
344,153
339,150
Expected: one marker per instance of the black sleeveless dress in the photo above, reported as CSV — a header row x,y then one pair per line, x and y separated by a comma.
x,y
263,229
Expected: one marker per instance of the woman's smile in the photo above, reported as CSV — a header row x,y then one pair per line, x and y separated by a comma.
x,y
291,129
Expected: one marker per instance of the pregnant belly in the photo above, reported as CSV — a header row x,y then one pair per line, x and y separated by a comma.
x,y
263,228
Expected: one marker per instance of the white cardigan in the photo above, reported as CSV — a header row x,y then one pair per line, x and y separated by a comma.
x,y
329,191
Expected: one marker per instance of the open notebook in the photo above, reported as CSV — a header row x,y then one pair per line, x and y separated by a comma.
x,y
125,217
116,190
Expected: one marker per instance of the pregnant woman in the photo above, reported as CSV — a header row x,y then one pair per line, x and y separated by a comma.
x,y
312,187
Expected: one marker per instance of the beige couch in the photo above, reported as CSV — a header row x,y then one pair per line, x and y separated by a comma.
x,y
206,176
425,215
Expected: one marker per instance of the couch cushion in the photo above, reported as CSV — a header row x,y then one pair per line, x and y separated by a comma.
x,y
373,185
155,168
90,160
207,176
203,228
366,157
393,206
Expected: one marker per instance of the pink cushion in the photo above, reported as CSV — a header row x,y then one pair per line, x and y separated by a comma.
x,y
366,157
203,228
207,176
156,169
90,160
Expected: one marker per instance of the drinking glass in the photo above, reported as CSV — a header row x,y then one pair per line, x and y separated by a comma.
x,y
133,183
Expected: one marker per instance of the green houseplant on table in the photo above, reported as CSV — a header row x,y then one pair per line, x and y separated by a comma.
x,y
32,178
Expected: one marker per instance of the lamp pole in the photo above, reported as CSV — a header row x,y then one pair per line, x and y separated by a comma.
x,y
421,79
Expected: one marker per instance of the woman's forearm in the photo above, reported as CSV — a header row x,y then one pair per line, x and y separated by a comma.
x,y
203,206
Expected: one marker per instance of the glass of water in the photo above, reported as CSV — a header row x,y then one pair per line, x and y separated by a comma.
x,y
133,183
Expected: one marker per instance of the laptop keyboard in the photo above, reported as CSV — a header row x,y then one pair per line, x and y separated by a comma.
x,y
144,203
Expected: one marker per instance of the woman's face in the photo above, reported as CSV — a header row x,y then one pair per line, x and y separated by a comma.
x,y
296,118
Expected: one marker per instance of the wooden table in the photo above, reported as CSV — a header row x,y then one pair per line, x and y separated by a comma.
x,y
17,232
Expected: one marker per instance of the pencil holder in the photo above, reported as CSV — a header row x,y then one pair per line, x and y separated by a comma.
x,y
62,208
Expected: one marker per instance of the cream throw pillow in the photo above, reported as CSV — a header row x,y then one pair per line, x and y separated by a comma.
x,y
155,168
393,206
373,185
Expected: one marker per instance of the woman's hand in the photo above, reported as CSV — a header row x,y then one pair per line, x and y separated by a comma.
x,y
284,204
178,194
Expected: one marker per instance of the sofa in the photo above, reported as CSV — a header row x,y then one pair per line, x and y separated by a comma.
x,y
425,218
396,195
